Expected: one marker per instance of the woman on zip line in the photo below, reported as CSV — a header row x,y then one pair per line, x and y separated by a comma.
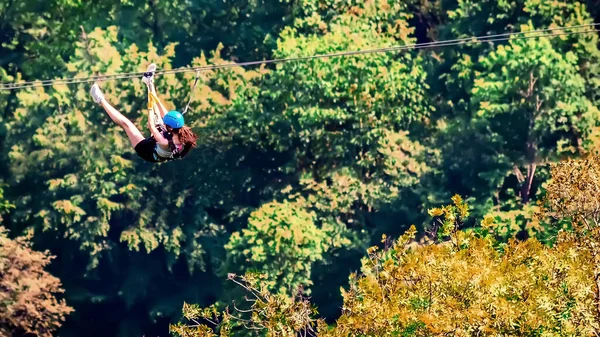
x,y
167,142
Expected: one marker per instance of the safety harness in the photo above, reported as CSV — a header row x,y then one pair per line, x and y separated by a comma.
x,y
160,125
169,137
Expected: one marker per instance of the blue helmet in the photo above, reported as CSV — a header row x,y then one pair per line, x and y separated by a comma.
x,y
174,119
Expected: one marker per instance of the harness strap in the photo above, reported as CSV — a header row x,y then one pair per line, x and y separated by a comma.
x,y
169,138
152,101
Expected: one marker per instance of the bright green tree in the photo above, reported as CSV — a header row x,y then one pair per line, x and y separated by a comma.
x,y
509,119
340,128
530,101
339,136
488,17
471,164
348,141
533,110
103,211
281,241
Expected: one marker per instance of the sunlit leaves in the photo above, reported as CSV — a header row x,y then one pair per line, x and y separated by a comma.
x,y
483,140
471,287
272,314
344,125
5,204
281,241
84,159
81,187
466,286
527,107
574,191
450,217
342,138
28,303
528,93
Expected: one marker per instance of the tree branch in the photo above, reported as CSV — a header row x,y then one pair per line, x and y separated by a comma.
x,y
518,174
86,45
597,295
530,147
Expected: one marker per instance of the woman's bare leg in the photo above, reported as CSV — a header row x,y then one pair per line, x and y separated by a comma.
x,y
134,134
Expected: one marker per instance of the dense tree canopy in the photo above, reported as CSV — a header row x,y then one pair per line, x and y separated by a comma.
x,y
464,283
301,166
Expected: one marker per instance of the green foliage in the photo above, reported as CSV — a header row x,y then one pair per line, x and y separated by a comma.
x,y
530,98
480,166
83,179
342,126
493,148
450,218
5,205
39,37
526,222
529,105
334,135
78,179
356,146
73,175
281,241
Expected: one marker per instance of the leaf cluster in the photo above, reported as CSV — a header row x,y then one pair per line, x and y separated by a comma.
x,y
28,292
475,287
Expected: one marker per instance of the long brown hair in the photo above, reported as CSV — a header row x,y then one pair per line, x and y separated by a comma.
x,y
186,136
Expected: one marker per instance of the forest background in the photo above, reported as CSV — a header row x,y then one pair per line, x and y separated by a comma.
x,y
300,167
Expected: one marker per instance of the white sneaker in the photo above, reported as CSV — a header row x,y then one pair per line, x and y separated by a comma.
x,y
148,77
96,93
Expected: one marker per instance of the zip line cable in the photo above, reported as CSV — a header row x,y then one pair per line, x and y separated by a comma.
x,y
426,45
22,85
480,39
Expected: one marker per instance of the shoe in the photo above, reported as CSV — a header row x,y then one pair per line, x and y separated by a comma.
x,y
148,77
96,93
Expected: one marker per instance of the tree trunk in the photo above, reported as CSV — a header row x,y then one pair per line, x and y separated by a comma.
x,y
526,188
530,147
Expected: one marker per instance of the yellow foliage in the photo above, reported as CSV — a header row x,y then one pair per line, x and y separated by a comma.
x,y
574,190
28,301
442,289
469,285
436,212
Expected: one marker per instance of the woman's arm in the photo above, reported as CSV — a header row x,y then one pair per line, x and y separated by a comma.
x,y
152,126
162,110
